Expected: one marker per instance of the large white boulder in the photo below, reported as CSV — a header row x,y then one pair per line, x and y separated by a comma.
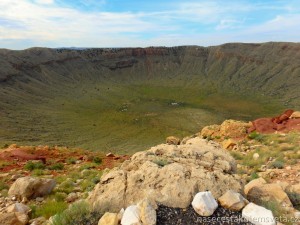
x,y
131,216
258,215
204,203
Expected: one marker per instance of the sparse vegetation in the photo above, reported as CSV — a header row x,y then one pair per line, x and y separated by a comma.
x,y
56,166
277,164
161,162
78,214
48,209
34,165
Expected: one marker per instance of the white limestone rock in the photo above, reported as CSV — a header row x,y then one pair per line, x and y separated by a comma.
x,y
204,203
258,215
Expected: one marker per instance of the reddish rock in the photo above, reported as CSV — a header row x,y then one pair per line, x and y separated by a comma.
x,y
282,123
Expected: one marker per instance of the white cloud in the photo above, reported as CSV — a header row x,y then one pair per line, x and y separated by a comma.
x,y
46,23
44,1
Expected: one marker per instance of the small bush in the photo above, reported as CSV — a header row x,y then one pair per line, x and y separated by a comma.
x,y
67,186
161,162
60,196
56,166
88,166
236,155
277,164
71,161
38,172
295,198
253,176
77,214
255,135
97,160
34,165
3,186
48,209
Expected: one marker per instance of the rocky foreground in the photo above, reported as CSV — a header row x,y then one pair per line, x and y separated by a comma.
x,y
223,175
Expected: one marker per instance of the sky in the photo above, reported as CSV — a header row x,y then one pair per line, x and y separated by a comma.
x,y
142,23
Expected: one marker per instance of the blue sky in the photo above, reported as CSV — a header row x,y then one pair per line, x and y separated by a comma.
x,y
137,23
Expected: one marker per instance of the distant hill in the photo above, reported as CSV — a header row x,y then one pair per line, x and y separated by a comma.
x,y
127,98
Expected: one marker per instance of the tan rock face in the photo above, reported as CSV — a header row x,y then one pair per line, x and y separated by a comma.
x,y
233,201
18,207
254,183
229,143
31,187
168,174
229,128
259,191
109,219
173,140
234,129
295,115
210,131
13,218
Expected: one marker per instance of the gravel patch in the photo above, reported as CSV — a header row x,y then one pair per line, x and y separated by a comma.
x,y
177,216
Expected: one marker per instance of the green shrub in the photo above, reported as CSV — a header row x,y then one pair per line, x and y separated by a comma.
x,y
255,135
77,214
161,162
67,186
236,155
88,166
59,196
38,172
3,186
295,198
277,164
48,209
34,165
253,176
97,160
71,161
56,166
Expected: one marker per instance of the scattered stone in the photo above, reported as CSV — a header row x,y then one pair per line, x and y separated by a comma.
x,y
233,201
110,154
31,187
147,212
255,156
173,140
38,221
258,215
295,115
254,183
131,216
72,197
204,203
268,192
39,199
13,218
18,207
109,219
228,143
